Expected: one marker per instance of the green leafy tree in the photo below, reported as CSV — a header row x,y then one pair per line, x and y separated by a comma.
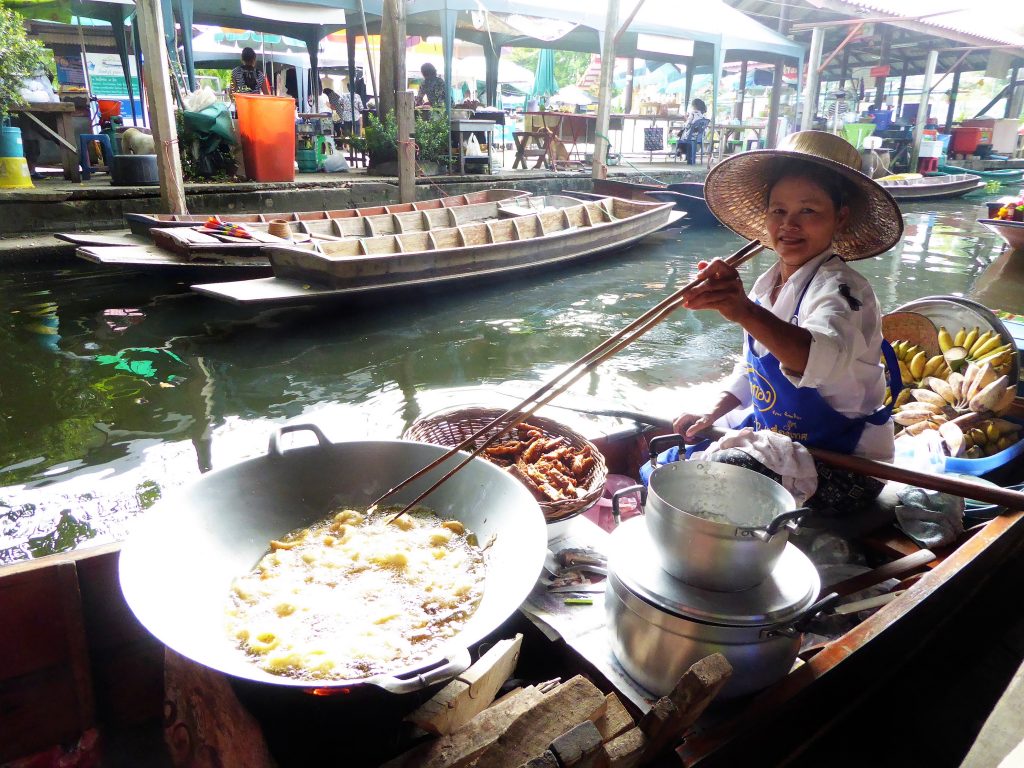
x,y
19,58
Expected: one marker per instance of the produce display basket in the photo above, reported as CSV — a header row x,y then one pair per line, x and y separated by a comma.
x,y
451,427
986,465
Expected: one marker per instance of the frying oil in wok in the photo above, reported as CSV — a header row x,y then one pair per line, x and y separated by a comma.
x,y
354,595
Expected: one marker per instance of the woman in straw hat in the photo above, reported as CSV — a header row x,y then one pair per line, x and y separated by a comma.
x,y
812,323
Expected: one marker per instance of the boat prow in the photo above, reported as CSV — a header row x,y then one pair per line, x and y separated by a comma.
x,y
1011,231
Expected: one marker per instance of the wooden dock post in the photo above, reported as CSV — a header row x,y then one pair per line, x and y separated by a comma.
x,y
406,147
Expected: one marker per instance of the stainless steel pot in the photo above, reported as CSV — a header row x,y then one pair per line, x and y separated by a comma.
x,y
660,626
178,563
716,526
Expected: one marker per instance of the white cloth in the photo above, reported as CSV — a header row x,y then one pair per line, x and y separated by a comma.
x,y
781,455
843,362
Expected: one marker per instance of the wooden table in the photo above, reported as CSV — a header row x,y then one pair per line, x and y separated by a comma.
x,y
531,144
64,134
571,130
725,131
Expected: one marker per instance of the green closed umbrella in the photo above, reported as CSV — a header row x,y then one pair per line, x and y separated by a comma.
x,y
544,79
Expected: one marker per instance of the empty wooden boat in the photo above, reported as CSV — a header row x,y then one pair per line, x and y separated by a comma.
x,y
141,223
687,196
519,235
913,187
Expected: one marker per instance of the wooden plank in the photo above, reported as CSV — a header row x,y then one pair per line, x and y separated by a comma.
x,y
461,747
78,652
616,720
566,706
471,692
579,747
625,751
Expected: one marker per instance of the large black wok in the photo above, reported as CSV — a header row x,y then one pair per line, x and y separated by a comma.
x,y
177,565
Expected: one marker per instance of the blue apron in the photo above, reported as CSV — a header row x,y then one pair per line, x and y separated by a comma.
x,y
800,413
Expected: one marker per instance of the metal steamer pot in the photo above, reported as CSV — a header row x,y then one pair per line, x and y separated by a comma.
x,y
713,525
659,626
177,565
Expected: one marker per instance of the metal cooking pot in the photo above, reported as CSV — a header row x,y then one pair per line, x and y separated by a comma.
x,y
715,526
177,565
660,626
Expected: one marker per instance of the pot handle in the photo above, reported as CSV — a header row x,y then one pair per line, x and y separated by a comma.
x,y
447,670
616,514
799,626
663,443
779,521
275,437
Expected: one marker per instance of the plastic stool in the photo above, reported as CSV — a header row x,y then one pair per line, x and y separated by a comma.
x,y
83,151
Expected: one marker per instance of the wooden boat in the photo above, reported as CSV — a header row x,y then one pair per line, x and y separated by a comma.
x,y
913,187
1011,231
1002,175
685,196
76,659
141,223
185,247
522,235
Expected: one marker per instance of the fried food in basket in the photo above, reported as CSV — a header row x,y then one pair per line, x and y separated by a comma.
x,y
551,467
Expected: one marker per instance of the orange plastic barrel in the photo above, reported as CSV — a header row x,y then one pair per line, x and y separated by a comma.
x,y
266,125
108,108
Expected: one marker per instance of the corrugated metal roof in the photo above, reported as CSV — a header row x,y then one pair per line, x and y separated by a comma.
x,y
999,23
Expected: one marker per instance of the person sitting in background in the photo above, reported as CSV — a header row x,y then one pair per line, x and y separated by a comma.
x,y
432,89
246,78
348,118
688,131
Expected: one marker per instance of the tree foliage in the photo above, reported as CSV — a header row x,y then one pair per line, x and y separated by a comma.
x,y
19,58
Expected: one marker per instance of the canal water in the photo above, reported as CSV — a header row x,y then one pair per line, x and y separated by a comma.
x,y
115,388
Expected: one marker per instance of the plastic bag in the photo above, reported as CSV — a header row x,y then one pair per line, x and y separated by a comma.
x,y
200,100
472,147
335,163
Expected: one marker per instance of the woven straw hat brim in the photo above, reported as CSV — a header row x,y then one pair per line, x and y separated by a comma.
x,y
736,191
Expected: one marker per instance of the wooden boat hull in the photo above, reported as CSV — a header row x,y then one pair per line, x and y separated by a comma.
x,y
1003,176
932,187
141,223
1011,231
302,278
156,260
685,196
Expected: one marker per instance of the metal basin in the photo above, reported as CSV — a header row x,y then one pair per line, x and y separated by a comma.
x,y
176,567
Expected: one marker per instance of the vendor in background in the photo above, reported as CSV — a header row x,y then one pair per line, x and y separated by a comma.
x,y
246,78
812,325
348,118
698,110
432,89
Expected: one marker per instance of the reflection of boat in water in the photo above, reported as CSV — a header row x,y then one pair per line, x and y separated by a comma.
x,y
685,196
1011,231
517,236
912,187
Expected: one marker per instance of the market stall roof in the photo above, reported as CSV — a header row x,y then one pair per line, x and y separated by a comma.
x,y
968,35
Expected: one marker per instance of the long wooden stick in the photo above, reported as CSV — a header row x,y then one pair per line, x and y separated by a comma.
x,y
564,380
884,471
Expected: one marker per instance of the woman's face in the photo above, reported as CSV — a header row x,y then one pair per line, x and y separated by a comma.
x,y
801,220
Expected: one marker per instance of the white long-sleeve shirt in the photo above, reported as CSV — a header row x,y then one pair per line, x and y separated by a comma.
x,y
841,313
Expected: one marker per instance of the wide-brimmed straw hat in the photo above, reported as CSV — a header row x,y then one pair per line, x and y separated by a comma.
x,y
737,193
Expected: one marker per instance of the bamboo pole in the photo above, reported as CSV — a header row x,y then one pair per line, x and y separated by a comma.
x,y
811,92
161,113
369,58
922,109
599,167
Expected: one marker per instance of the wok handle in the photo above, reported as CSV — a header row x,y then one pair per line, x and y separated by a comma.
x,y
777,522
449,669
799,626
663,443
275,437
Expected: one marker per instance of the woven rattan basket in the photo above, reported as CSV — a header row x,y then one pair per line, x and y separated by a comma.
x,y
449,428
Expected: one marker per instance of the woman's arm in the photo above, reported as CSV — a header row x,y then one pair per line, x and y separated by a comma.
x,y
723,291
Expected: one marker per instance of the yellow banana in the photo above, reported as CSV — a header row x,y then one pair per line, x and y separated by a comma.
x,y
970,338
917,365
945,340
982,349
932,366
996,354
905,376
958,340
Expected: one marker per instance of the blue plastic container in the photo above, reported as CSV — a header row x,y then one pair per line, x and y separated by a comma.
x,y
882,118
10,142
988,464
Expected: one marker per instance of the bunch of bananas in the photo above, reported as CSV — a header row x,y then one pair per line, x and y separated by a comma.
x,y
973,346
990,437
916,366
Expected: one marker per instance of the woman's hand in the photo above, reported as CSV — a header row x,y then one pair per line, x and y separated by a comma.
x,y
690,425
722,291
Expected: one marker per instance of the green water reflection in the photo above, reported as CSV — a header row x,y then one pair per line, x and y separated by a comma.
x,y
115,390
